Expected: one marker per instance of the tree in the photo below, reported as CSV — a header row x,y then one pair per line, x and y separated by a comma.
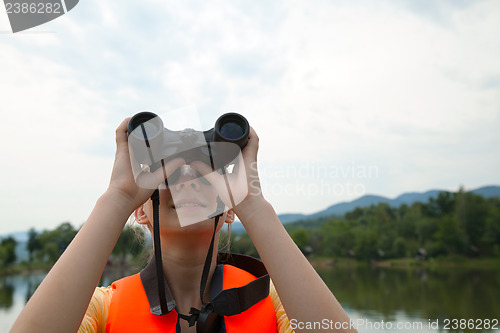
x,y
338,238
54,242
242,244
33,243
491,233
450,236
8,251
300,237
474,220
365,247
399,247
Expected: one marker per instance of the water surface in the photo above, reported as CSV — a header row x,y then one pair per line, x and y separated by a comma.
x,y
376,299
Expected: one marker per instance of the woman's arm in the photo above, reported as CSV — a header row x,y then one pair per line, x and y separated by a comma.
x,y
304,295
60,302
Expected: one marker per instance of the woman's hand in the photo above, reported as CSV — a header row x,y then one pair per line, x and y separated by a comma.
x,y
123,186
242,188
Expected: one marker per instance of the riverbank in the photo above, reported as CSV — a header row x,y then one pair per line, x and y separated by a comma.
x,y
316,262
25,269
440,262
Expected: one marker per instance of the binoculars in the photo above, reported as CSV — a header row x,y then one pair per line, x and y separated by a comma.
x,y
150,141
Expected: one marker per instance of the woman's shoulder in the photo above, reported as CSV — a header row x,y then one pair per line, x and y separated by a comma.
x,y
97,312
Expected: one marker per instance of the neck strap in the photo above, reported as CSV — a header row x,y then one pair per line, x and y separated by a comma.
x,y
227,303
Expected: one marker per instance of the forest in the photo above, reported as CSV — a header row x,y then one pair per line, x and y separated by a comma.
x,y
460,224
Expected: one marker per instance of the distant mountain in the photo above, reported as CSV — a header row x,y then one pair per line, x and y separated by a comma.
x,y
285,218
341,208
488,191
338,209
409,198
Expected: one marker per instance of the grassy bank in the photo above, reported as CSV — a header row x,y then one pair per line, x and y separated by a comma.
x,y
24,268
447,261
317,262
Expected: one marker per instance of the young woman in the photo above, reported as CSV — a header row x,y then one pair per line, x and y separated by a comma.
x,y
61,302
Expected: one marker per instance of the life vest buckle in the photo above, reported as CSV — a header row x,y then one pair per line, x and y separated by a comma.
x,y
208,320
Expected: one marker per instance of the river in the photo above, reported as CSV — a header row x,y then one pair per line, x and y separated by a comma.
x,y
376,299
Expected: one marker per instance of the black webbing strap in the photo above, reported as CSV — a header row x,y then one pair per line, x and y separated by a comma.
x,y
208,261
247,263
233,301
157,247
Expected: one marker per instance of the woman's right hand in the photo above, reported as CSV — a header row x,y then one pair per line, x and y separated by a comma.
x,y
122,185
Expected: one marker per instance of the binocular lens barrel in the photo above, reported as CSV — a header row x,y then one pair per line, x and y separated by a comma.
x,y
232,127
145,131
232,131
152,123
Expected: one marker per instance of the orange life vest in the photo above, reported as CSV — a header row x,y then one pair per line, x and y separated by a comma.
x,y
130,312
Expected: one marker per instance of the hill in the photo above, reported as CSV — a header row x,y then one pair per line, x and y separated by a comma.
x,y
339,209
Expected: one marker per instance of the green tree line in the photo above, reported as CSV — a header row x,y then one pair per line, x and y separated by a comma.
x,y
460,223
45,247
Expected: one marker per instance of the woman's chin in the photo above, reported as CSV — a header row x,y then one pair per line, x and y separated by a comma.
x,y
190,216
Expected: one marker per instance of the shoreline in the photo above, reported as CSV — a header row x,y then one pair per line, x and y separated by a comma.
x,y
317,263
409,263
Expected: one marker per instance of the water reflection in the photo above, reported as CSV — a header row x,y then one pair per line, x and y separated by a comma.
x,y
15,290
390,294
6,294
374,294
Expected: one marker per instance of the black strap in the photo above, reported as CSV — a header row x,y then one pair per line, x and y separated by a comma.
x,y
157,248
192,318
208,261
247,263
233,301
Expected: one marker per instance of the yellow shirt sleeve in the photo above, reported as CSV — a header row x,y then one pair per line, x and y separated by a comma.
x,y
281,316
96,316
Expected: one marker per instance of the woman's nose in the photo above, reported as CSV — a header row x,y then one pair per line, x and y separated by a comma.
x,y
192,184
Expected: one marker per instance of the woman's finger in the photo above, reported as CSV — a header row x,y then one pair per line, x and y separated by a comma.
x,y
153,180
252,146
121,132
206,171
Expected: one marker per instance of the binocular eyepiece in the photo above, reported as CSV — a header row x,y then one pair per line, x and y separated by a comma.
x,y
151,142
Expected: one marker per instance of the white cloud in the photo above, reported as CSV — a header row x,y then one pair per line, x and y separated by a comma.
x,y
411,90
47,120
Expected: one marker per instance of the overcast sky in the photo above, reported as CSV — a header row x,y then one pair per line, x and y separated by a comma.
x,y
348,97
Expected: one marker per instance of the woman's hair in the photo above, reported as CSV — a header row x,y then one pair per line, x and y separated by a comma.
x,y
141,231
225,244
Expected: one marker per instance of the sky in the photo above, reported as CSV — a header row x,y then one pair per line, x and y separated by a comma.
x,y
348,97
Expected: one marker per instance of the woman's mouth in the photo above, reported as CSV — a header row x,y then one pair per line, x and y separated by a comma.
x,y
189,205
